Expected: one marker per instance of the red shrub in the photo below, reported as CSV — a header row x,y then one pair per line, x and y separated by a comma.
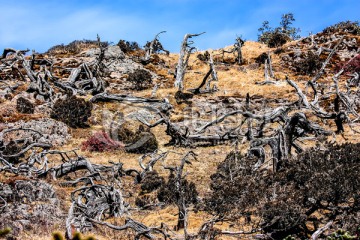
x,y
350,67
100,142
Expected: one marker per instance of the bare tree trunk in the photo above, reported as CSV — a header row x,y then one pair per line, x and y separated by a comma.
x,y
150,49
270,66
182,219
238,45
185,51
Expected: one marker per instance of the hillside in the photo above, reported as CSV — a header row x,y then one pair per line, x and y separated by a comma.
x,y
91,135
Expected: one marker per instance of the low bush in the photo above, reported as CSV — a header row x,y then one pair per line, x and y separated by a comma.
x,y
350,67
168,194
262,58
12,148
277,39
73,111
286,202
344,26
75,46
23,105
143,142
151,181
203,57
128,47
309,65
140,79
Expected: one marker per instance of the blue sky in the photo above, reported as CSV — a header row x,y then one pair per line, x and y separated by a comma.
x,y
41,24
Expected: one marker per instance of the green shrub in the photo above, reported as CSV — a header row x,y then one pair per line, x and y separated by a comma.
x,y
73,111
280,35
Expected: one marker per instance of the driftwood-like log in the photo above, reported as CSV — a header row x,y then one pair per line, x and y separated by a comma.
x,y
69,167
140,229
106,97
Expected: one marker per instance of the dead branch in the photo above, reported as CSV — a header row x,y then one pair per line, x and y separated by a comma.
x,y
269,117
96,201
106,97
139,228
299,92
318,232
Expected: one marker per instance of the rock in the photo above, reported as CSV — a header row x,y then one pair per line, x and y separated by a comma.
x,y
53,132
114,52
144,142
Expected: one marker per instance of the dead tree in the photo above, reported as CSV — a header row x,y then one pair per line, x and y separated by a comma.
x,y
180,192
150,47
212,72
95,201
39,81
339,116
236,50
87,78
268,72
185,51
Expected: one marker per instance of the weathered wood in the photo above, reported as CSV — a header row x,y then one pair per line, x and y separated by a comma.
x,y
106,97
27,148
139,228
278,112
212,72
318,232
185,51
69,167
237,47
149,50
271,72
268,72
299,92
